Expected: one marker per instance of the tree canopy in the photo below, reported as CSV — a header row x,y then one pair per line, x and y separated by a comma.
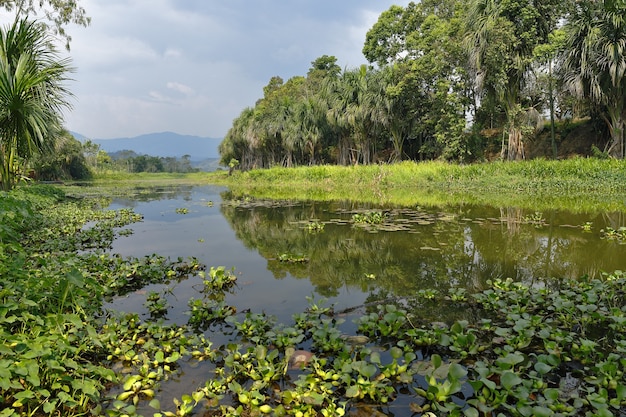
x,y
444,75
57,13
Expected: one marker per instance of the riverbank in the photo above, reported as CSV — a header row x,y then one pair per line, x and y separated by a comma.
x,y
579,184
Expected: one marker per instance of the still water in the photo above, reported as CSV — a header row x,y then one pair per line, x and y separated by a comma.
x,y
281,257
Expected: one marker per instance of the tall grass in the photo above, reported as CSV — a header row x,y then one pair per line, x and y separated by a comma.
x,y
580,184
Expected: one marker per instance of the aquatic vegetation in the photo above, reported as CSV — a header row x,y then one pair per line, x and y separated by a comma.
x,y
315,227
292,258
618,235
519,349
370,217
457,294
182,210
156,304
220,279
536,219
385,322
205,312
255,327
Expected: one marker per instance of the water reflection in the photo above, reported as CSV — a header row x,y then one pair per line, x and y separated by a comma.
x,y
416,248
421,248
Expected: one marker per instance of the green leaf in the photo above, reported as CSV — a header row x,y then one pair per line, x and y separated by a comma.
x,y
76,278
509,380
315,398
551,394
542,368
457,371
261,352
197,396
604,412
471,412
436,360
353,391
173,358
395,352
542,412
21,396
128,384
50,406
510,360
368,371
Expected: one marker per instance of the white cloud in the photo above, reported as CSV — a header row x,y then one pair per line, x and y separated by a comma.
x,y
181,88
192,66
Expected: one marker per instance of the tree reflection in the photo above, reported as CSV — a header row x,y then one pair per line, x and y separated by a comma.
x,y
462,247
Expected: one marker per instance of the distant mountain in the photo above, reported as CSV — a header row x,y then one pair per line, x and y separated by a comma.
x,y
161,144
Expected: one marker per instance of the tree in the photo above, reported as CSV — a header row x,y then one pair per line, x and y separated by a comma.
x,y
501,39
58,13
418,49
386,41
546,55
356,104
595,62
32,95
91,151
67,160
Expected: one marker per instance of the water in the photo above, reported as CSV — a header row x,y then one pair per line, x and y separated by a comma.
x,y
415,249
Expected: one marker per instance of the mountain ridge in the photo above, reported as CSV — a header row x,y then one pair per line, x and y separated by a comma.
x,y
163,144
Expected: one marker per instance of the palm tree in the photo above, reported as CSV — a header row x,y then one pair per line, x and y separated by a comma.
x,y
308,123
32,95
356,104
595,63
501,37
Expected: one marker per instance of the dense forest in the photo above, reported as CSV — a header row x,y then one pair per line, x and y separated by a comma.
x,y
449,79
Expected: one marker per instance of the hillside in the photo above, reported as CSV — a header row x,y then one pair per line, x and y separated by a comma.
x,y
161,144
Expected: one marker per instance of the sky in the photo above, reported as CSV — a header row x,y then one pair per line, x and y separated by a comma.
x,y
192,66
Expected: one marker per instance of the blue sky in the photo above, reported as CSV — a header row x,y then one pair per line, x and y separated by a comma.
x,y
191,66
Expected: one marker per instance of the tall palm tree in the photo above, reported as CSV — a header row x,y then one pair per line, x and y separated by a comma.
x,y
357,104
502,37
309,124
595,63
32,95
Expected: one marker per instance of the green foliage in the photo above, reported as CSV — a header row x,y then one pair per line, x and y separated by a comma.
x,y
594,50
32,95
129,161
520,352
57,13
64,162
56,352
371,217
583,184
156,304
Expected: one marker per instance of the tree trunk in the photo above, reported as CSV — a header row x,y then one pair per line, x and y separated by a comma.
x,y
398,141
7,176
617,125
344,151
515,151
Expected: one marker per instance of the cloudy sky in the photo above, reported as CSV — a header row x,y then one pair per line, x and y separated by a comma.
x,y
191,66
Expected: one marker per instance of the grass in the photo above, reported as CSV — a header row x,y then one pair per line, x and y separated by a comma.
x,y
579,184
160,178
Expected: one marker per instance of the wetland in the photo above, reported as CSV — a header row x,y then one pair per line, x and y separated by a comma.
x,y
200,301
